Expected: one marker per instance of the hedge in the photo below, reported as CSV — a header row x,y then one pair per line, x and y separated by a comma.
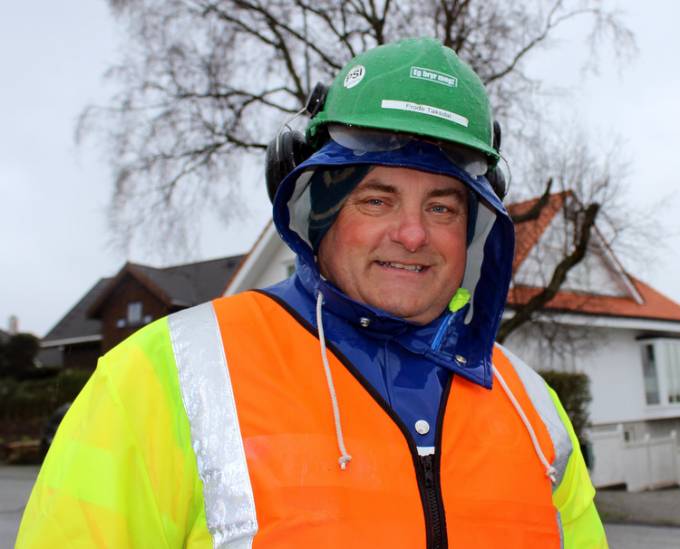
x,y
38,398
574,392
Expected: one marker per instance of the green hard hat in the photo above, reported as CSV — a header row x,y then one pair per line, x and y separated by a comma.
x,y
416,86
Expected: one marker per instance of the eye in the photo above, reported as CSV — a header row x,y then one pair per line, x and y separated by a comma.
x,y
374,202
440,208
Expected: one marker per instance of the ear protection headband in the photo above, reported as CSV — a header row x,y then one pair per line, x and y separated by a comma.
x,y
290,148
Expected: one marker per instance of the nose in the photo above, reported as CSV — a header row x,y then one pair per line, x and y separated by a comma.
x,y
410,231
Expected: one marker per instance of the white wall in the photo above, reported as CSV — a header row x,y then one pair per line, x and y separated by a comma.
x,y
596,274
277,267
266,264
610,357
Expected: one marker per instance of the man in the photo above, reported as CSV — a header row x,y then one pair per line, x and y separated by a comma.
x,y
361,402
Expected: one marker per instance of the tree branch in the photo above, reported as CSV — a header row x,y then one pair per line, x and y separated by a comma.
x,y
540,300
533,212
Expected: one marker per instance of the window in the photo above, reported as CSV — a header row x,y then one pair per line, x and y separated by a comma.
x,y
661,371
650,375
673,355
134,313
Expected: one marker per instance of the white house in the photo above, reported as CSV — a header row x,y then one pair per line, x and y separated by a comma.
x,y
604,322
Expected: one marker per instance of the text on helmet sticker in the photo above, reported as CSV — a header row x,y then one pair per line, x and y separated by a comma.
x,y
354,76
434,76
424,109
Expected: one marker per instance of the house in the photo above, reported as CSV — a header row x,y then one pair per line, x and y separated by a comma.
x,y
604,322
117,306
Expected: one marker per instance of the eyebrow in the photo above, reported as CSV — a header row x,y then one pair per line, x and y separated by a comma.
x,y
457,193
435,193
377,186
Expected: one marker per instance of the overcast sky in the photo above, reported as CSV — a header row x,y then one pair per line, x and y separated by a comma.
x,y
53,194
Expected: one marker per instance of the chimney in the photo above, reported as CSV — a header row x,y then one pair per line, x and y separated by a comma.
x,y
13,325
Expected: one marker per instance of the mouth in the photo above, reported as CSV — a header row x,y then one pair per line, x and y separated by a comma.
x,y
409,267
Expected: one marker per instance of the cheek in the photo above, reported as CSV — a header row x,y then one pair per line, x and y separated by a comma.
x,y
452,245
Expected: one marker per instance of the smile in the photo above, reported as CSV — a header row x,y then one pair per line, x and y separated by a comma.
x,y
401,266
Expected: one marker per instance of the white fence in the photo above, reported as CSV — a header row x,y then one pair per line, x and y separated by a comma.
x,y
640,465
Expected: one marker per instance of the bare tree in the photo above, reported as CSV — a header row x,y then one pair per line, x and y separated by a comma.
x,y
204,84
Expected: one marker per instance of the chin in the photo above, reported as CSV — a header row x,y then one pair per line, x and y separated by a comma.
x,y
402,310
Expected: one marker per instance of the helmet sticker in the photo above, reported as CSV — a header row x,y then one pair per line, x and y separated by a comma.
x,y
424,109
354,76
434,76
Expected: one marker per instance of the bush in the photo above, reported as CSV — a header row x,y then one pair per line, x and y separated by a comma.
x,y
17,354
574,392
38,398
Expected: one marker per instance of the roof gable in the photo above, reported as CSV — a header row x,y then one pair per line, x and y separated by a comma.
x,y
76,322
598,285
528,233
599,272
179,286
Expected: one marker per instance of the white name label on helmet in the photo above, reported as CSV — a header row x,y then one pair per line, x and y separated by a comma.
x,y
424,109
354,76
434,76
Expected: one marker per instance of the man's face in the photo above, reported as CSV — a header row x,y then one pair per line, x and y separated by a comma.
x,y
399,242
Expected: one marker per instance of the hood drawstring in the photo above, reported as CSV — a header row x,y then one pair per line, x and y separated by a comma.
x,y
344,456
550,471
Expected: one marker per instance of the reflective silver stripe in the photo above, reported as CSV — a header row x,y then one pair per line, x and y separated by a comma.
x,y
215,435
537,391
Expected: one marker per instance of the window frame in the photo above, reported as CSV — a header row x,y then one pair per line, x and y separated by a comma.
x,y
666,364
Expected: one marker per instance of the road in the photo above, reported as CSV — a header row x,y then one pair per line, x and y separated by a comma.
x,y
16,483
15,487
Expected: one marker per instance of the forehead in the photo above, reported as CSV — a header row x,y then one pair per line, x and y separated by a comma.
x,y
407,180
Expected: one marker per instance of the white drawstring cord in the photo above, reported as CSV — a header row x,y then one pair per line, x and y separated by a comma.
x,y
550,471
344,456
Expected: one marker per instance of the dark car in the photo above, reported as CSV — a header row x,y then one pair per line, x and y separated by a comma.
x,y
51,427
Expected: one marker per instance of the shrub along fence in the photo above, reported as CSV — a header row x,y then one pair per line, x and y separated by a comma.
x,y
26,404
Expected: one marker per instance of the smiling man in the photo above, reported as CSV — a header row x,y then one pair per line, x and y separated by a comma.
x,y
362,402
399,242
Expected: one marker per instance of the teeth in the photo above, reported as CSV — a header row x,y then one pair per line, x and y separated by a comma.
x,y
392,265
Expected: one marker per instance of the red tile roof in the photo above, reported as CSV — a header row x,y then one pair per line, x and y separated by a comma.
x,y
654,304
528,233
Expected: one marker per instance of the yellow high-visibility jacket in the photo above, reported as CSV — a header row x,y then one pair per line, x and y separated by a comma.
x,y
137,462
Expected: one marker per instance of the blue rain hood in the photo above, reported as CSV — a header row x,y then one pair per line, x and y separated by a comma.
x,y
461,341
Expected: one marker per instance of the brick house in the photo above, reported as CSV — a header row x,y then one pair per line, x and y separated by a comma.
x,y
117,306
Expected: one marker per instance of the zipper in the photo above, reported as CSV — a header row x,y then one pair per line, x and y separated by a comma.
x,y
435,522
441,331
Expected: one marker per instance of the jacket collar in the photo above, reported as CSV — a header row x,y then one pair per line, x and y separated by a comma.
x,y
439,341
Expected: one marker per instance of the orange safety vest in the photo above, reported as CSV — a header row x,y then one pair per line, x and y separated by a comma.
x,y
486,487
